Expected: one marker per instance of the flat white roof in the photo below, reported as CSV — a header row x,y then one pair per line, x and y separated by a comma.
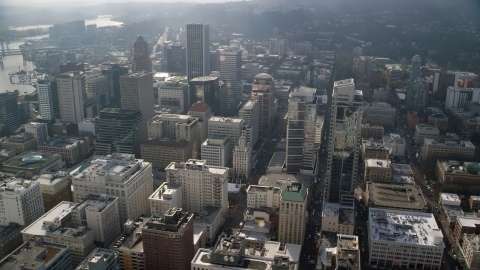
x,y
378,163
404,227
60,210
450,199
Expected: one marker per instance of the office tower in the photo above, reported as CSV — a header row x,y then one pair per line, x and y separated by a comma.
x,y
20,202
301,128
118,131
175,58
216,150
231,127
202,111
165,197
38,130
416,95
415,68
208,89
242,164
263,91
101,214
45,99
202,185
175,91
38,254
344,142
168,240
113,72
250,114
76,28
137,94
141,57
72,96
121,176
9,116
461,98
97,89
175,127
71,66
215,60
56,187
293,205
198,50
172,150
230,68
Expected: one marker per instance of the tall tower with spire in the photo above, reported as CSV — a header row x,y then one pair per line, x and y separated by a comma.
x,y
141,58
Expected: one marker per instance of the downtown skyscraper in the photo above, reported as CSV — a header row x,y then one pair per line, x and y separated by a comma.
x,y
198,50
344,142
141,58
230,62
417,88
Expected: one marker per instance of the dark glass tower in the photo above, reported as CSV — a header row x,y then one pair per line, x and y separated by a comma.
x,y
210,90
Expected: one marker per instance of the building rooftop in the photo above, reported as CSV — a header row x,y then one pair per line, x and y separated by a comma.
x,y
31,160
460,167
208,215
96,202
471,222
249,105
132,237
50,220
17,185
224,119
165,192
204,79
450,199
348,252
277,161
377,163
449,144
167,142
7,231
282,180
173,220
295,192
344,83
199,106
63,142
396,196
404,227
426,128
197,165
95,256
256,188
402,173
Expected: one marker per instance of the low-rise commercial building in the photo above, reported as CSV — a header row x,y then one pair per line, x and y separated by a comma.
x,y
263,196
372,148
20,142
372,132
34,163
100,259
72,150
466,226
471,251
423,131
377,170
433,150
414,237
402,173
395,144
338,219
401,196
454,172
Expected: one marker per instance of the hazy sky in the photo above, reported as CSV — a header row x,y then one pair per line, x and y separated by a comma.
x,y
42,2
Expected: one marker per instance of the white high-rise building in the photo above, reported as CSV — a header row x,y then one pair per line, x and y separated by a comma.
x,y
242,163
174,88
72,96
231,127
230,67
45,99
216,150
97,89
198,50
167,196
118,175
38,130
202,185
21,202
344,142
250,114
301,131
99,213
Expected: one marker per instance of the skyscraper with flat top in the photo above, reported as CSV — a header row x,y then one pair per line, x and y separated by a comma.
x,y
230,67
415,68
198,50
72,96
344,142
141,58
263,91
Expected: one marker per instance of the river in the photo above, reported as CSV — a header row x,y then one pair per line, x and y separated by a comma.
x,y
15,63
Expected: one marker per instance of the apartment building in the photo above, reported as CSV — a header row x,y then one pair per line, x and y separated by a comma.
x,y
166,196
404,239
118,175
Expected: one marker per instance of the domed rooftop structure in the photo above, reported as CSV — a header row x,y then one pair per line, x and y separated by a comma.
x,y
140,39
32,159
263,76
199,106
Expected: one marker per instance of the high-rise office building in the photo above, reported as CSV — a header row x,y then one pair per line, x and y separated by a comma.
x,y
242,164
118,131
216,150
210,90
141,57
137,94
113,72
415,68
416,95
118,175
175,90
263,91
168,240
230,67
38,130
198,50
56,187
20,202
301,128
231,127
344,142
45,99
97,89
9,115
202,111
250,114
292,223
175,59
72,96
202,185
